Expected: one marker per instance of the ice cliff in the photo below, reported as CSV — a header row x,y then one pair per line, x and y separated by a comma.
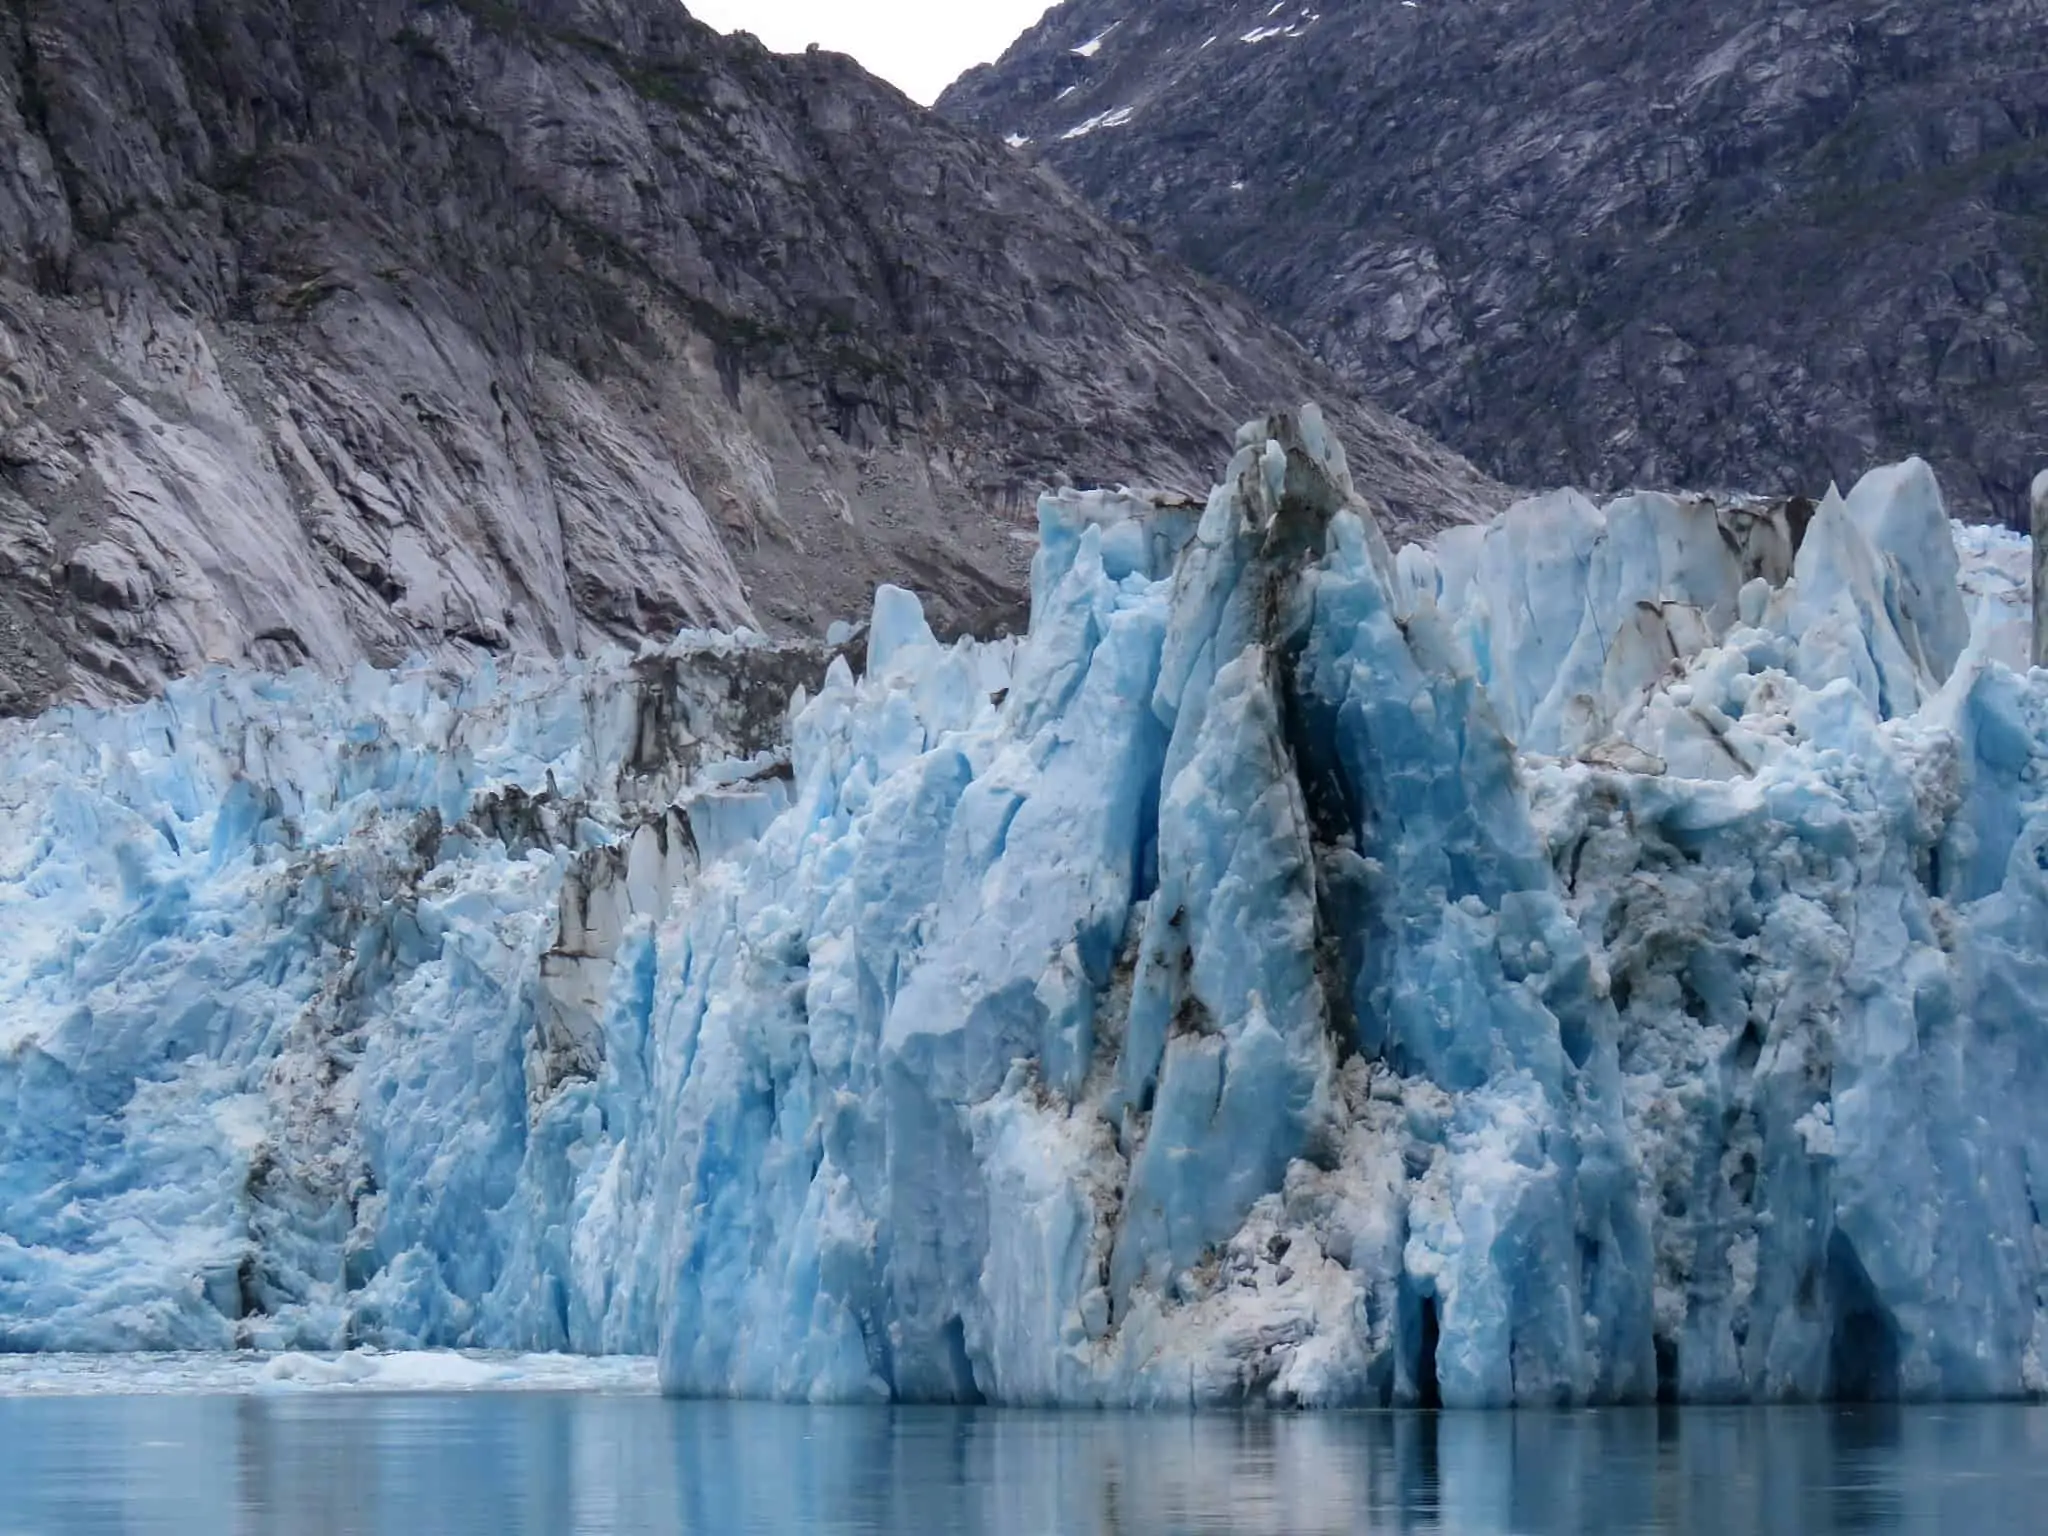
x,y
1597,956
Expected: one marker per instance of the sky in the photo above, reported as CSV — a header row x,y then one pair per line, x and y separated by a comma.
x,y
921,46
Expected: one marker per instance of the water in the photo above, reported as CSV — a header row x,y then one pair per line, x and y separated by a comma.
x,y
338,1463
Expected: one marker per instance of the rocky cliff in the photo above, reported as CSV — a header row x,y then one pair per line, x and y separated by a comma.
x,y
1603,243
332,332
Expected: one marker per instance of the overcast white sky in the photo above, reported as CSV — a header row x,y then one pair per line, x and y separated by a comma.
x,y
920,45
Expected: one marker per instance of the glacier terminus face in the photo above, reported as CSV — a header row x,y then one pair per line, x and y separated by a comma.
x,y
1599,956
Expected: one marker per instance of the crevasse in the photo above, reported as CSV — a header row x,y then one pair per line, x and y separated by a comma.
x,y
1600,956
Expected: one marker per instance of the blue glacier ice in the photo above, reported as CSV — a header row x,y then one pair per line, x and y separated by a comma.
x,y
1602,954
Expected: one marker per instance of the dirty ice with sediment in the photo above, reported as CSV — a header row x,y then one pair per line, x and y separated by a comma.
x,y
1597,955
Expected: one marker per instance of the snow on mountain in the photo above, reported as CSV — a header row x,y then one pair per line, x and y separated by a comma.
x,y
1597,955
1612,243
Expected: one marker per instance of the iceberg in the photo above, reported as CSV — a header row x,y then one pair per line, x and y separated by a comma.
x,y
1595,958
286,965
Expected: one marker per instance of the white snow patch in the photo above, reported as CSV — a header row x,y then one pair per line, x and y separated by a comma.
x,y
1293,28
1115,118
1093,46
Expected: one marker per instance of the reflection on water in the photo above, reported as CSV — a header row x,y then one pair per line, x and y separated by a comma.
x,y
335,1466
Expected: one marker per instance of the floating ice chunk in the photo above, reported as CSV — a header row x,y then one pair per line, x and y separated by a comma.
x,y
74,1375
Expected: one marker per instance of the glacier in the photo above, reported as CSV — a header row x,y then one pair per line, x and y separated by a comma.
x,y
1596,957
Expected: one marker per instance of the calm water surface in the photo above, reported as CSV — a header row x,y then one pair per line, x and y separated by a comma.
x,y
547,1463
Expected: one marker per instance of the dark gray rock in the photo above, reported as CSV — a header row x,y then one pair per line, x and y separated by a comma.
x,y
2038,526
1607,242
331,331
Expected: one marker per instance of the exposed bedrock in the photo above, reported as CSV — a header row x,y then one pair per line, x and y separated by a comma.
x,y
1610,243
528,327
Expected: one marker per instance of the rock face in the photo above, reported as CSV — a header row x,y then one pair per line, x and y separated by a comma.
x,y
1612,243
333,332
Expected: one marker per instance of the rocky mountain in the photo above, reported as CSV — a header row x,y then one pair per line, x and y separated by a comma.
x,y
332,332
1605,243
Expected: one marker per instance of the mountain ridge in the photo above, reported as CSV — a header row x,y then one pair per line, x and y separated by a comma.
x,y
540,325
1741,247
